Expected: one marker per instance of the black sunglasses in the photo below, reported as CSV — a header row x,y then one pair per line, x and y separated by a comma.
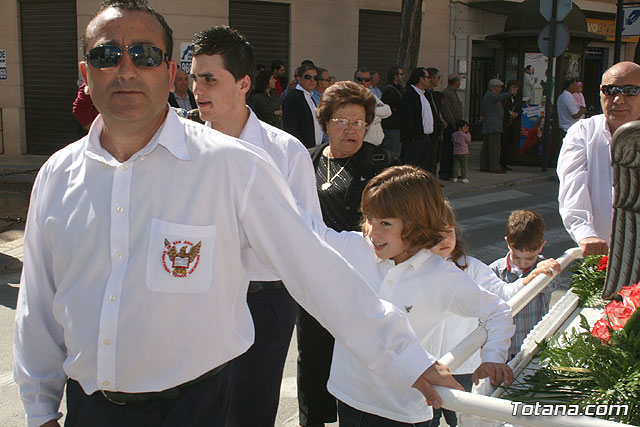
x,y
626,90
142,55
309,77
363,79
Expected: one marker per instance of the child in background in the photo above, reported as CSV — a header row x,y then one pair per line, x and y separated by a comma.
x,y
403,215
525,240
460,139
452,248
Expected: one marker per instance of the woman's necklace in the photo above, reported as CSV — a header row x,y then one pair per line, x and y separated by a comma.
x,y
329,183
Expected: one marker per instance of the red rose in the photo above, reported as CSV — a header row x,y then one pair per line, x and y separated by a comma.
x,y
601,330
603,263
618,313
631,295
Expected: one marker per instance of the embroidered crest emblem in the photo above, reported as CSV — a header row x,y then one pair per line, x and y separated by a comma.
x,y
408,308
180,258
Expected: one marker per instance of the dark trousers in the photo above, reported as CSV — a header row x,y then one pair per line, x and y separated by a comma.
x,y
352,417
490,154
434,155
204,404
450,416
505,146
417,152
258,372
316,405
446,155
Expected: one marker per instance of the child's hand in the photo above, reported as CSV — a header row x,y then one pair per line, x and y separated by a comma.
x,y
436,374
497,372
548,266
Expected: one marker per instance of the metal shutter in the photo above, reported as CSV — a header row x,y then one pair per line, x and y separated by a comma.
x,y
49,72
378,40
266,26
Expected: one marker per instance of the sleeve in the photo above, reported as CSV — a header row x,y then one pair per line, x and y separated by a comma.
x,y
83,108
573,192
447,113
38,350
302,182
485,277
382,110
377,333
291,110
470,300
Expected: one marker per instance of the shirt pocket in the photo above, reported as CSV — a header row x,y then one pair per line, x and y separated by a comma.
x,y
180,257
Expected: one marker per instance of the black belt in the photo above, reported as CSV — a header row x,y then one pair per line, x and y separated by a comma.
x,y
257,286
121,398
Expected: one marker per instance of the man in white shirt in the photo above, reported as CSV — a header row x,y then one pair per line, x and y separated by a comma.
x,y
416,121
133,292
585,194
223,54
569,110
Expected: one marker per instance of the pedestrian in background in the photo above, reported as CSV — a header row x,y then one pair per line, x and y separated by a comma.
x,y
460,141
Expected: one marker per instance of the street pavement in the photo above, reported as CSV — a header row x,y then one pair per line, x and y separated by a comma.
x,y
16,174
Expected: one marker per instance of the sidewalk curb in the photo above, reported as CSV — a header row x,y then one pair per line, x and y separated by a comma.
x,y
512,183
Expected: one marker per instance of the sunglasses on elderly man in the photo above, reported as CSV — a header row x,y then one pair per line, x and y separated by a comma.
x,y
626,90
142,55
363,79
309,77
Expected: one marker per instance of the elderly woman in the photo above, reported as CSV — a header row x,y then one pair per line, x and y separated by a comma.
x,y
343,167
264,101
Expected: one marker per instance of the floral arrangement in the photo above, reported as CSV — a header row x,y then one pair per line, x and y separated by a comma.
x,y
599,365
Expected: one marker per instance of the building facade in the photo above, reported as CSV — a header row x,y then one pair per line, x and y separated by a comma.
x,y
41,41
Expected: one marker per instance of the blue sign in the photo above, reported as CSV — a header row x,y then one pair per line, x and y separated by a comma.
x,y
186,50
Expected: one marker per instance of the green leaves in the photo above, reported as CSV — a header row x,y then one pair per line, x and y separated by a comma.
x,y
588,281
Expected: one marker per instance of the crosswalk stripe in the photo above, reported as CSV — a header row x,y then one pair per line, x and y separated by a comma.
x,y
6,379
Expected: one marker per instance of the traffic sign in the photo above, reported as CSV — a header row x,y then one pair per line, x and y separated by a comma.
x,y
631,21
561,40
546,9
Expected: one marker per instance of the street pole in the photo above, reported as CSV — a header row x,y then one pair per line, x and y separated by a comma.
x,y
618,42
548,90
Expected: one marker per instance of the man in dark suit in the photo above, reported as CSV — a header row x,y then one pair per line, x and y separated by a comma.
x,y
416,121
182,97
299,109
435,102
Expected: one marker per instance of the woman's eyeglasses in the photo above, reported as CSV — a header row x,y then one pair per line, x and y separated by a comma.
x,y
142,55
626,90
344,123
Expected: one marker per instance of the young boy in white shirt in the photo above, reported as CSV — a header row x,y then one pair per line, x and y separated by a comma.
x,y
403,216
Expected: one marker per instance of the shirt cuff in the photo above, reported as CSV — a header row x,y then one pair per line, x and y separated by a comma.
x,y
584,231
40,413
409,365
493,356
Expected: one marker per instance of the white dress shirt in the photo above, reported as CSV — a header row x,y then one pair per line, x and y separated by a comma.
x,y
584,168
427,116
375,134
294,163
428,289
567,107
115,294
317,130
457,328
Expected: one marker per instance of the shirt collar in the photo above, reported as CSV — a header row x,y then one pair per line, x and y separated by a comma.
x,y
420,91
300,88
170,135
514,269
252,131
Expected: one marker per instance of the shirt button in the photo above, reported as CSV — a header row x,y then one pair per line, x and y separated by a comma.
x,y
112,298
104,166
124,167
105,383
107,342
389,281
119,255
119,209
142,157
